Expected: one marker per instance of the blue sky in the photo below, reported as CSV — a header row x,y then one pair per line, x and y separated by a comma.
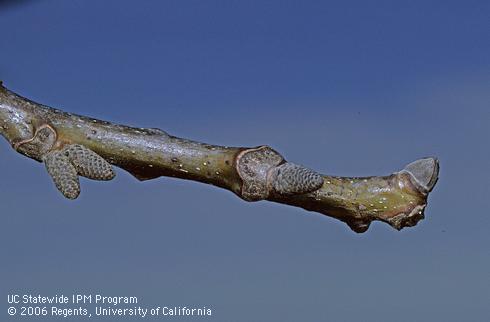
x,y
344,87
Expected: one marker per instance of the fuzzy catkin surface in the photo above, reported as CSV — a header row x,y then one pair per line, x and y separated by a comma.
x,y
63,173
88,163
291,179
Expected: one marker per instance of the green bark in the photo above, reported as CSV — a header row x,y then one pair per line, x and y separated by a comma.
x,y
253,174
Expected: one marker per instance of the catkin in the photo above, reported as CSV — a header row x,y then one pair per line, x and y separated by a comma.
x,y
63,173
291,179
88,163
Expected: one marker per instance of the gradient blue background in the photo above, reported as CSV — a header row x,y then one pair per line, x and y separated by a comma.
x,y
344,87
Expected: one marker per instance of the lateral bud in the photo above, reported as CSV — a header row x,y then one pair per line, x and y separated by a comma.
x,y
253,166
42,142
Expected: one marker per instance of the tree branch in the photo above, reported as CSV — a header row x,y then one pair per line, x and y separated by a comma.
x,y
71,145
